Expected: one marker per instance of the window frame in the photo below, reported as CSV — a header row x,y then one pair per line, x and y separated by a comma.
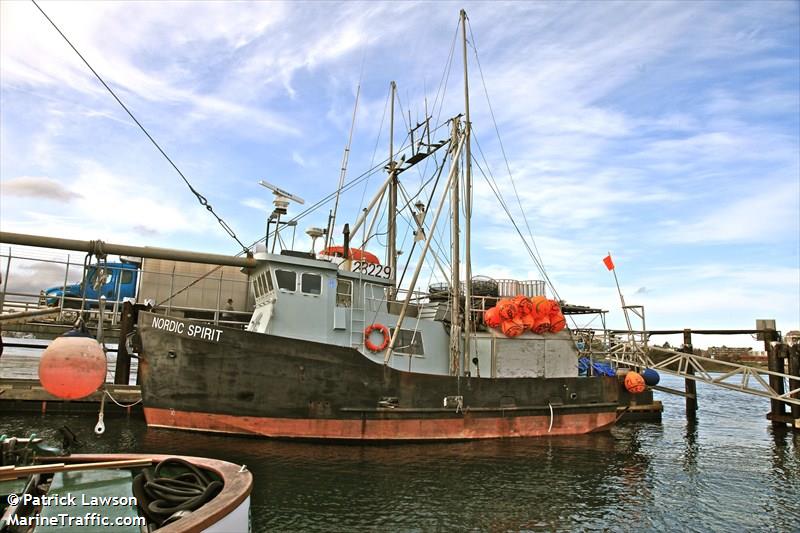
x,y
302,278
278,283
415,335
340,295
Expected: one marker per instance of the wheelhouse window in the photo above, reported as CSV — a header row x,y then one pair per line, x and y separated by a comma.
x,y
127,276
287,280
409,342
268,281
344,293
311,283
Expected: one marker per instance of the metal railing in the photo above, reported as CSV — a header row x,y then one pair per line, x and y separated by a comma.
x,y
21,273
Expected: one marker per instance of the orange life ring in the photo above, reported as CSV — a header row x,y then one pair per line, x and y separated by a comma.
x,y
369,344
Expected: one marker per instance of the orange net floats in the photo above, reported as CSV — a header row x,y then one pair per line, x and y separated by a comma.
x,y
492,318
513,327
514,316
507,308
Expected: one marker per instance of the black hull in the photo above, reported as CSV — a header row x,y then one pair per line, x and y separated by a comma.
x,y
240,382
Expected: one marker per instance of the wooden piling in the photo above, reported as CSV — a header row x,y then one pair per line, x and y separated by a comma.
x,y
690,385
794,370
775,363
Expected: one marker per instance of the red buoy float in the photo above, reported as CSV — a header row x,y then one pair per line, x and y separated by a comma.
x,y
72,367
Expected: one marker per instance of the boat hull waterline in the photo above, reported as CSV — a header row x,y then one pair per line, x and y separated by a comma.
x,y
216,379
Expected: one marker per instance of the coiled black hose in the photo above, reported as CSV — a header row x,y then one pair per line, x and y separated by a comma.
x,y
160,496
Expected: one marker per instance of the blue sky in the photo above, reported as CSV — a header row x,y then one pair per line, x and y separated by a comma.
x,y
667,133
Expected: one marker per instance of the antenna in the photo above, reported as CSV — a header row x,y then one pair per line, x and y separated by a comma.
x,y
280,193
281,203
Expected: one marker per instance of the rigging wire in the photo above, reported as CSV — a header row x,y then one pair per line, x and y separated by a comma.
x,y
496,190
502,147
200,198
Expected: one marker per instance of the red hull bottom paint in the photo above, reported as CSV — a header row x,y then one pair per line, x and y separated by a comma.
x,y
466,427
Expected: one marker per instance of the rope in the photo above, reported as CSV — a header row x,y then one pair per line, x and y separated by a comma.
x,y
200,197
123,405
551,417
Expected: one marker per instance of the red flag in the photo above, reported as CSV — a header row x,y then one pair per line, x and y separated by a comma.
x,y
608,262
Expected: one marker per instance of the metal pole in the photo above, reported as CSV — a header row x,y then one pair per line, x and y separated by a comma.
x,y
122,371
5,282
378,196
467,204
455,274
219,298
116,296
345,158
61,304
100,248
391,260
171,290
101,307
421,261
689,384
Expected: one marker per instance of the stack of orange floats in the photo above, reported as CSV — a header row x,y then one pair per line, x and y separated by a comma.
x,y
514,316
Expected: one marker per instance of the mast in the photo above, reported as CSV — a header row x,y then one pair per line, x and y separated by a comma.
x,y
343,172
391,249
467,204
455,306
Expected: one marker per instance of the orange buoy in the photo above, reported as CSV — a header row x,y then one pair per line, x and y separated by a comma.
x,y
542,306
541,325
535,301
512,327
554,307
72,367
557,322
507,308
528,320
524,305
492,317
634,382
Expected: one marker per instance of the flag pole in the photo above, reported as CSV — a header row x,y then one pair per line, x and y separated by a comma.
x,y
621,299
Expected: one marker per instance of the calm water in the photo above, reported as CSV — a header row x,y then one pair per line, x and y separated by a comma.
x,y
727,472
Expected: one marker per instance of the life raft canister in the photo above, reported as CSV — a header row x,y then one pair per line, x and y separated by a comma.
x,y
372,346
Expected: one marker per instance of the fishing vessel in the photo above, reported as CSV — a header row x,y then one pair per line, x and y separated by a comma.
x,y
342,346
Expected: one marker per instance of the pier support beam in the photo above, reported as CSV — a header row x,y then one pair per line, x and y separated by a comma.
x,y
794,369
775,363
689,384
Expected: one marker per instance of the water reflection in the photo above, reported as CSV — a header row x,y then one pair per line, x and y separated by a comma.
x,y
727,471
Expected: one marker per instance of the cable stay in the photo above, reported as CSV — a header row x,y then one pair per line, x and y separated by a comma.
x,y
200,198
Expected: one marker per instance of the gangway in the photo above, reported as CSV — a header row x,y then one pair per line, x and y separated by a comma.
x,y
738,377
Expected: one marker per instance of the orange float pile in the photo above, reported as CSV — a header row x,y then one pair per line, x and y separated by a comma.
x,y
514,316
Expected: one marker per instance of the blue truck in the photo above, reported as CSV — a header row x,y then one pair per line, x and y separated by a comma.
x,y
118,281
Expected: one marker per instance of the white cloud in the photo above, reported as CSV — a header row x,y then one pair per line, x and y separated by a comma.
x,y
37,187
